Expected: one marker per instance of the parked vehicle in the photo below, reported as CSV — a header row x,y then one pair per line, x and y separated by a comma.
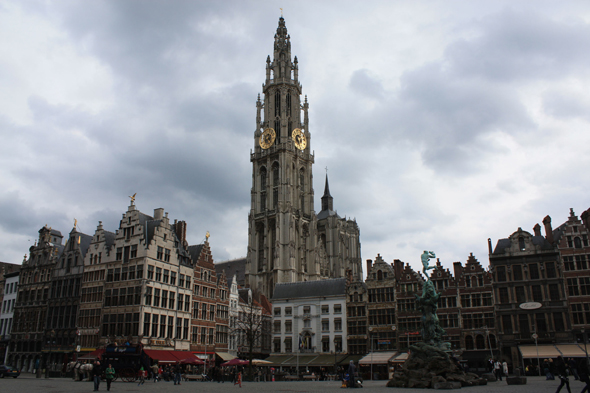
x,y
7,371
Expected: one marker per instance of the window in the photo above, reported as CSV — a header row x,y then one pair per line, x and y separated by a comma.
x,y
533,271
537,293
156,297
325,325
288,311
288,327
503,293
119,254
337,308
520,295
150,275
171,301
338,324
158,274
306,309
466,300
572,287
541,323
507,324
173,279
277,311
196,310
164,298
155,325
134,251
517,272
276,328
558,322
180,280
584,285
325,309
501,273
166,276
160,253
581,262
550,270
553,292
568,263
167,255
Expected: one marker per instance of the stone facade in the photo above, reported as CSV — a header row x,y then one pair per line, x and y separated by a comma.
x,y
287,242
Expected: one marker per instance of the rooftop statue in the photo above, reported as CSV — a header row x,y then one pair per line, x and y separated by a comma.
x,y
426,256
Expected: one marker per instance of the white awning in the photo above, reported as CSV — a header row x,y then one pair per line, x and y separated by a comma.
x,y
545,351
225,356
571,350
402,357
377,358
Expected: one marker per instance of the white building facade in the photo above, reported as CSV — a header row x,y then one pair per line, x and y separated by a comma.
x,y
310,317
7,307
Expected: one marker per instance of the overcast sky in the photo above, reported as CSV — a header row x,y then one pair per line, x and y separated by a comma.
x,y
442,123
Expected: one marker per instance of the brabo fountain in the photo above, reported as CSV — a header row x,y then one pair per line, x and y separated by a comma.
x,y
430,364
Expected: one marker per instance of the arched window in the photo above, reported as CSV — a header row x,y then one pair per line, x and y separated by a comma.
x,y
262,178
275,184
468,282
492,339
379,275
480,342
468,342
277,104
521,243
577,242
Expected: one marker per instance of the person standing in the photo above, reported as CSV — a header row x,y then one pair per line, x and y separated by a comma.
x,y
505,368
498,370
177,373
96,371
351,377
561,369
110,375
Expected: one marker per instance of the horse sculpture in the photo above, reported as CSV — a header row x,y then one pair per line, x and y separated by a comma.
x,y
80,369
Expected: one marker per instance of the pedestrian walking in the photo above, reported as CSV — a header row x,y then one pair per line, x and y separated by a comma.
x,y
583,374
561,369
155,369
141,376
351,377
238,379
110,375
96,371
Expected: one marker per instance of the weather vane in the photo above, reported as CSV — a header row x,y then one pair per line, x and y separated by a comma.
x,y
207,235
75,223
281,12
133,198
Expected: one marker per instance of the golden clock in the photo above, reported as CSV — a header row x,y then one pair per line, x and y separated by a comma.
x,y
299,139
267,138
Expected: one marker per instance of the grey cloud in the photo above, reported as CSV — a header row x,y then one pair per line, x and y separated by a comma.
x,y
566,105
514,45
363,82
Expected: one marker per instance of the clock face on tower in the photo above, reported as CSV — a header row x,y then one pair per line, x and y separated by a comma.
x,y
299,139
267,138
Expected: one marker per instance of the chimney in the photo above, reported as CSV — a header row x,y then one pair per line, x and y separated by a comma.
x,y
457,269
490,246
369,265
180,229
158,213
548,229
537,229
398,268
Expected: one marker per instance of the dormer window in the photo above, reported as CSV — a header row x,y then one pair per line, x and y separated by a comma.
x,y
521,243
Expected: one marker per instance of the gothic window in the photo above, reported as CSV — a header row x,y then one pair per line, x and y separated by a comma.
x,y
277,104
272,247
263,179
278,127
275,181
260,248
302,179
289,105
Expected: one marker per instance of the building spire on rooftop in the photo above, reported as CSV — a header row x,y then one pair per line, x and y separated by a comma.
x,y
327,200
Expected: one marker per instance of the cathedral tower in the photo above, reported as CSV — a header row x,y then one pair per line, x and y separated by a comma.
x,y
283,240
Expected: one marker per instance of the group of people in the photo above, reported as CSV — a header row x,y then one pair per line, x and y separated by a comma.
x,y
97,373
564,368
499,369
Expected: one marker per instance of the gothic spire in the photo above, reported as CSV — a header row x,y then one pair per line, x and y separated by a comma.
x,y
282,52
327,200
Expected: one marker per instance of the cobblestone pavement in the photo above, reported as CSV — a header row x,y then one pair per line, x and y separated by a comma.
x,y
27,383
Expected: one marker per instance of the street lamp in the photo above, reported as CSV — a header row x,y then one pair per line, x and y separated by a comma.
x,y
371,339
51,337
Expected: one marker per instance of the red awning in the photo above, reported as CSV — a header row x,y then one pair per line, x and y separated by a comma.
x,y
92,355
168,356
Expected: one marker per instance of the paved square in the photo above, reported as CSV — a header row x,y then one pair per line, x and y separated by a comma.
x,y
28,383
